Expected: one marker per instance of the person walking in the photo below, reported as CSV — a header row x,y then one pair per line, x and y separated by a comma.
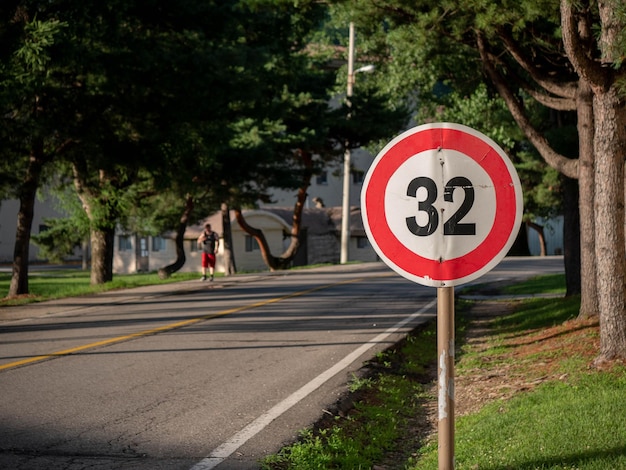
x,y
208,241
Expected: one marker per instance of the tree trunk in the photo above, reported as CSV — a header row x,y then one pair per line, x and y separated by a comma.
x,y
102,243
586,191
19,277
167,271
582,168
227,236
610,148
296,223
270,261
102,231
543,250
571,236
86,257
285,259
520,246
28,192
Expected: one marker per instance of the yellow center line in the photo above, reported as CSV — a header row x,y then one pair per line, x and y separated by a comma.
x,y
168,327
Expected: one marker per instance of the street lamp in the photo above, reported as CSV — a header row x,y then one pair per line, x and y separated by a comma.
x,y
345,208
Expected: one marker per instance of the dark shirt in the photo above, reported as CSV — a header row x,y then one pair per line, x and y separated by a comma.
x,y
210,242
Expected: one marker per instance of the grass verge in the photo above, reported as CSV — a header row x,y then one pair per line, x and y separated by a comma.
x,y
386,404
49,283
548,284
529,397
59,283
545,406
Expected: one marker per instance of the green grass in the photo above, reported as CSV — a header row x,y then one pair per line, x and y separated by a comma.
x,y
573,424
49,284
538,313
576,422
548,284
360,438
379,423
55,284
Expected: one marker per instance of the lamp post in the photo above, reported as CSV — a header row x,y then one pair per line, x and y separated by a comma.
x,y
345,207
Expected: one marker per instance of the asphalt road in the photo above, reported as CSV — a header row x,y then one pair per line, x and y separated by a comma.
x,y
198,376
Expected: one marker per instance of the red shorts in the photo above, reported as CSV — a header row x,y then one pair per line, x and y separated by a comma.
x,y
208,260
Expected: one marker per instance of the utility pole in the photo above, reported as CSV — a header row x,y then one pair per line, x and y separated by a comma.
x,y
345,208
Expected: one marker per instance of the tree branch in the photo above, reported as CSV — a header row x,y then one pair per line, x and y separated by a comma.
x,y
576,36
551,85
559,103
64,146
568,167
259,236
552,102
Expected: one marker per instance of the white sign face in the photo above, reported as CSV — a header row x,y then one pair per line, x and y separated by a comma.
x,y
441,204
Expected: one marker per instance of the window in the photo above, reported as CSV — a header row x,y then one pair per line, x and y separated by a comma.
x,y
158,244
358,176
322,178
193,246
362,242
125,243
251,244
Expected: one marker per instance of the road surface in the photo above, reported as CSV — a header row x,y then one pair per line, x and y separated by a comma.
x,y
215,375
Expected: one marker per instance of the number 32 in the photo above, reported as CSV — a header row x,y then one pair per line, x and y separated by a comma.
x,y
452,226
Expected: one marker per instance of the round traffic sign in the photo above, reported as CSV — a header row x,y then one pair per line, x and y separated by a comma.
x,y
441,204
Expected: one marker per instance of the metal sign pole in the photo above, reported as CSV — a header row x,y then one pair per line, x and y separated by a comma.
x,y
484,181
445,374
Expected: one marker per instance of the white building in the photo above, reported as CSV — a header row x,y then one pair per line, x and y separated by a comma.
x,y
319,241
44,209
329,185
319,238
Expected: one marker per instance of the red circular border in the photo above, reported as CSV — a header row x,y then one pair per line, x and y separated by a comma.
x,y
506,204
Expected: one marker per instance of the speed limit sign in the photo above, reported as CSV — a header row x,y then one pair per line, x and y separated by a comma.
x,y
442,204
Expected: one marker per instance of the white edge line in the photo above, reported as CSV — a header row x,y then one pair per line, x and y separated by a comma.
x,y
235,442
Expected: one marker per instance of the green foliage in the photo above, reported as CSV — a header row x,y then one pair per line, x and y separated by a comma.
x,y
360,383
542,186
480,111
34,55
59,239
26,76
219,100
427,57
202,98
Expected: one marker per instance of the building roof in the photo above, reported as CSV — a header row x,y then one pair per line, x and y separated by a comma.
x,y
356,222
317,221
